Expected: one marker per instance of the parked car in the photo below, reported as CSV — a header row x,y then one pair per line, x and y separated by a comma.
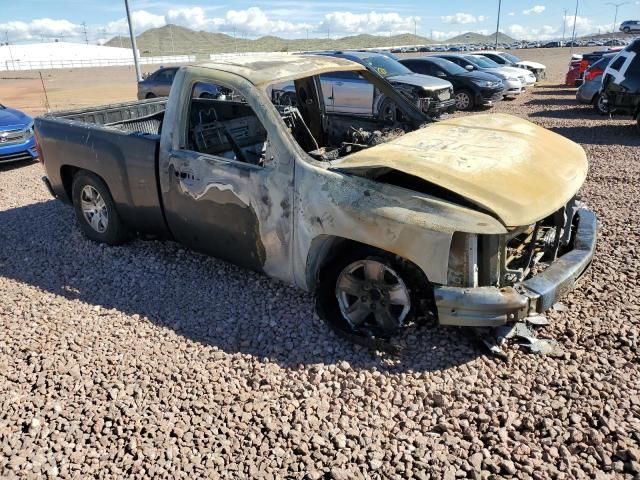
x,y
630,26
470,89
387,222
620,90
508,60
514,81
529,77
347,92
589,91
17,142
158,84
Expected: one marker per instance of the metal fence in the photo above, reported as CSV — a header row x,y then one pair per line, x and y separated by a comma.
x,y
14,65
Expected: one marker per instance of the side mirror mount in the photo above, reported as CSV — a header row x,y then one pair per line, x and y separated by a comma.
x,y
470,68
441,74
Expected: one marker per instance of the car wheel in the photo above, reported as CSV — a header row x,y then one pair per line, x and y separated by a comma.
x,y
626,30
95,210
464,100
368,291
150,95
599,105
388,111
638,121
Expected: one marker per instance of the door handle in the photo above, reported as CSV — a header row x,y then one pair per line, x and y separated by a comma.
x,y
339,84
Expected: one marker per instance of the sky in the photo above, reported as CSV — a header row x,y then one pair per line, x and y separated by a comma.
x,y
38,20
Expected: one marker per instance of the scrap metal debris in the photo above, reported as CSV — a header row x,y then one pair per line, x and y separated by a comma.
x,y
522,334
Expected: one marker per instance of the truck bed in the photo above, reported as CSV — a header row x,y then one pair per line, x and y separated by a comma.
x,y
117,142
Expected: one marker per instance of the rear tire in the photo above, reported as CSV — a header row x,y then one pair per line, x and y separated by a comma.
x,y
626,30
599,105
464,100
150,95
96,211
366,291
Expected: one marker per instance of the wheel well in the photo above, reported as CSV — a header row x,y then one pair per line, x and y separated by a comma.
x,y
325,248
67,172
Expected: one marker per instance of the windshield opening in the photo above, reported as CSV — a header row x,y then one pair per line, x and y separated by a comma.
x,y
385,66
511,58
484,62
449,67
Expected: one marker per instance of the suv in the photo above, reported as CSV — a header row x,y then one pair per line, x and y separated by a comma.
x,y
630,26
620,89
158,84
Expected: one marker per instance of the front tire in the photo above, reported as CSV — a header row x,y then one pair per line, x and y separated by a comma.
x,y
370,292
626,30
388,111
150,95
464,100
95,210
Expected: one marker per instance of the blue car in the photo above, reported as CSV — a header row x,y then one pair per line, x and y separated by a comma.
x,y
17,141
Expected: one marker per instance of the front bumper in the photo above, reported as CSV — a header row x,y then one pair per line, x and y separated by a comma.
x,y
512,88
19,151
435,108
493,306
489,97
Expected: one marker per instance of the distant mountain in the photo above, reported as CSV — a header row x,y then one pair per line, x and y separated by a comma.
x,y
172,39
471,37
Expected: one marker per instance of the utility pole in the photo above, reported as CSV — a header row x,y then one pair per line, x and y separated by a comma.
x,y
415,28
564,25
84,29
573,35
615,19
13,64
173,46
498,25
134,46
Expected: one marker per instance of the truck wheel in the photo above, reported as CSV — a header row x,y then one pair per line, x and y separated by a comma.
x,y
464,100
96,211
368,291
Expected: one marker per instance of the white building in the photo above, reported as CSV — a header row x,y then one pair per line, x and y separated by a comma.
x,y
42,56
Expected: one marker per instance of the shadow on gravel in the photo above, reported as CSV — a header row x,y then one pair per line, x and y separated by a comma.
x,y
12,166
625,135
554,101
201,298
554,90
577,112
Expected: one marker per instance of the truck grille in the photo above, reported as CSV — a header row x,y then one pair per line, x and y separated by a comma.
x,y
13,136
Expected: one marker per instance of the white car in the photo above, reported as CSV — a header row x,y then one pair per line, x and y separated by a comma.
x,y
508,60
529,78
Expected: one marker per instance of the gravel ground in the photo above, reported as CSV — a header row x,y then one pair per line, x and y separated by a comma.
x,y
148,360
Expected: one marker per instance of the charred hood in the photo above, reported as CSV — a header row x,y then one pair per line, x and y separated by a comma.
x,y
516,170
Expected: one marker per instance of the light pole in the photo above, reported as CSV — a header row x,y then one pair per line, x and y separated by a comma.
x,y
498,25
133,42
564,26
573,35
615,19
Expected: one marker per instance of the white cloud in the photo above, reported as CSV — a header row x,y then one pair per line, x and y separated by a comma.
x,y
511,14
41,27
520,32
463,18
372,22
142,20
536,10
254,20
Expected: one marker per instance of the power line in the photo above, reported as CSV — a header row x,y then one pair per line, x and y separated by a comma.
x,y
84,29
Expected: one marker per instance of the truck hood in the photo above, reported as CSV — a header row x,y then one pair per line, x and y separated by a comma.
x,y
11,119
505,165
417,80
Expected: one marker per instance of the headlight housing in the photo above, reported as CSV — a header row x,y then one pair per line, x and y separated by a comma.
x,y
29,131
482,83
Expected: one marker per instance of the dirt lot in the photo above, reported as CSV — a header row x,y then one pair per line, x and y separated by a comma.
x,y
148,360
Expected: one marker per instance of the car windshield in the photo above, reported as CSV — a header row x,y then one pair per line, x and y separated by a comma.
x,y
485,62
449,68
385,66
511,58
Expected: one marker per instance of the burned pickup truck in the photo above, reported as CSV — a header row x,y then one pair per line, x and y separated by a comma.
x,y
387,220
